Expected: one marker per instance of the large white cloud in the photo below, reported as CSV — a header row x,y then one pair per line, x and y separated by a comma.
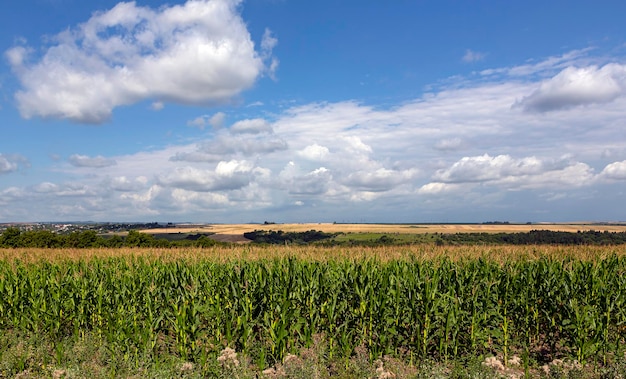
x,y
199,52
511,173
578,86
226,176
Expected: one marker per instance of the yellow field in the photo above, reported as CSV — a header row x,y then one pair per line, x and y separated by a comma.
x,y
238,229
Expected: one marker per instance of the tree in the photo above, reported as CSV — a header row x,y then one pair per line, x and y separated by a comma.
x,y
11,237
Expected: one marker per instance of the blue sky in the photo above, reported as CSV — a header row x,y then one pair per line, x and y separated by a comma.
x,y
297,111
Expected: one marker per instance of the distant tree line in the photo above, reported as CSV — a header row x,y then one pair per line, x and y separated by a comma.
x,y
534,237
280,237
537,237
14,238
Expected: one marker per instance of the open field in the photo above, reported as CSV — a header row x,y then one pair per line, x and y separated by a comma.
x,y
390,228
330,311
234,232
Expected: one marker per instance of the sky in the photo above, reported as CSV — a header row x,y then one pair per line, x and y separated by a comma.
x,y
226,111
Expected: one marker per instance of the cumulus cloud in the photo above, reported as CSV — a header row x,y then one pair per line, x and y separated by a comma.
x,y
485,168
226,176
577,86
511,173
251,126
216,121
312,183
199,52
125,184
614,171
314,152
378,180
99,161
12,162
378,161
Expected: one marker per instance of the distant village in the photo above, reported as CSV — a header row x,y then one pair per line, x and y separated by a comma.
x,y
100,228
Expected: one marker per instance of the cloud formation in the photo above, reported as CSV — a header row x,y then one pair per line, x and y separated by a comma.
x,y
577,86
199,52
12,162
78,160
460,148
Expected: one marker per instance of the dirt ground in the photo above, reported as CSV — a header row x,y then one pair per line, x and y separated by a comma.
x,y
234,232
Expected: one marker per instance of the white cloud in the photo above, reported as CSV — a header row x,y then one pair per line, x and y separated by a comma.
x,y
199,52
216,121
157,106
511,173
473,56
253,126
125,184
12,162
314,152
577,86
352,161
378,180
485,168
226,176
449,144
78,160
614,171
437,188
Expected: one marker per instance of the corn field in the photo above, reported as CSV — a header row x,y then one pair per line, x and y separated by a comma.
x,y
414,308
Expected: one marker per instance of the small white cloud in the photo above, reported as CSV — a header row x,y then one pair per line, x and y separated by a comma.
x,y
436,188
251,126
267,45
12,162
157,105
125,184
473,56
216,121
378,180
314,152
99,161
449,144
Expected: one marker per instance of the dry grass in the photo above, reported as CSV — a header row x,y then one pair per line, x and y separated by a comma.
x,y
316,253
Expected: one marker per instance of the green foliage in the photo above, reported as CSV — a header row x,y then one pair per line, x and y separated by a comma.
x,y
418,310
280,237
14,238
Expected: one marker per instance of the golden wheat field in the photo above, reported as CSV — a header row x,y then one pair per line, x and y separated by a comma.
x,y
239,229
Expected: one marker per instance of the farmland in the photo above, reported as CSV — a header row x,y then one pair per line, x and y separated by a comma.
x,y
313,311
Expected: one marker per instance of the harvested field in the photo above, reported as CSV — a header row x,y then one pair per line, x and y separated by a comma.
x,y
230,230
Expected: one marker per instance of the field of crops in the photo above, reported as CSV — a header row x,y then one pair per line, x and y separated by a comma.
x,y
416,303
